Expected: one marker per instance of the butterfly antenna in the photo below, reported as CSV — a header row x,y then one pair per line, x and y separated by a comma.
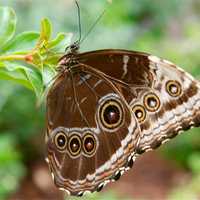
x,y
92,27
79,22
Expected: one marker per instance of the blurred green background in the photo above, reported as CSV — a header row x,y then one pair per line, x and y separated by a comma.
x,y
169,29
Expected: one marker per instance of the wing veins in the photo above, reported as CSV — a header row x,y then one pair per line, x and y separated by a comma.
x,y
76,100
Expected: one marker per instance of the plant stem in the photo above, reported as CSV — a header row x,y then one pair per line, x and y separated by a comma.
x,y
13,57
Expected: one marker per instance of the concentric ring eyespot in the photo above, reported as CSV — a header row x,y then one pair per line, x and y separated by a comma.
x,y
151,102
173,88
74,145
111,114
140,112
89,144
60,141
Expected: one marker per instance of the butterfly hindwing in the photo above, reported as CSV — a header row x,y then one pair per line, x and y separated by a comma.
x,y
178,97
92,134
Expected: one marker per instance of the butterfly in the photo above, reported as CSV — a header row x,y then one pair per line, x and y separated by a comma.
x,y
106,107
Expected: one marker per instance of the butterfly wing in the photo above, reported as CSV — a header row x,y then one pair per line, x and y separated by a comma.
x,y
178,100
91,135
164,98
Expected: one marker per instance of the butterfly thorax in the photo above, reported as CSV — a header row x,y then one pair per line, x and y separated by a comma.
x,y
67,61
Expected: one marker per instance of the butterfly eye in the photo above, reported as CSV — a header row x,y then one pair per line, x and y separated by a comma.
x,y
173,88
151,102
61,141
139,112
89,144
74,145
111,114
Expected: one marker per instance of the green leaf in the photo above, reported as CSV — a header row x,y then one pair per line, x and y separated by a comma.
x,y
194,162
44,56
46,30
61,41
7,24
15,76
35,79
21,43
48,75
30,78
5,94
11,167
7,149
52,60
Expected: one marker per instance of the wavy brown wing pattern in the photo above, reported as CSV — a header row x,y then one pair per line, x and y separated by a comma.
x,y
164,98
92,135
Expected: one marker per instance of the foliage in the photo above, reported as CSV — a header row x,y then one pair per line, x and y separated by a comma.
x,y
27,58
11,167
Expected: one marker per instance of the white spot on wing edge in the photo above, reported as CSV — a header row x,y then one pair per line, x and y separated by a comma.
x,y
125,65
168,62
47,160
87,192
67,191
154,59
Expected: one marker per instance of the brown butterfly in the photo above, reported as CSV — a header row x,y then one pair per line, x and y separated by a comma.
x,y
106,107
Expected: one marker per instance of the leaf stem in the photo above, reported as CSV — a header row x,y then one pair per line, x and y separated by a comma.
x,y
13,57
28,58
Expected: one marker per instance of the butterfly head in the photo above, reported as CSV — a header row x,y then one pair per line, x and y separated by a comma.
x,y
73,48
